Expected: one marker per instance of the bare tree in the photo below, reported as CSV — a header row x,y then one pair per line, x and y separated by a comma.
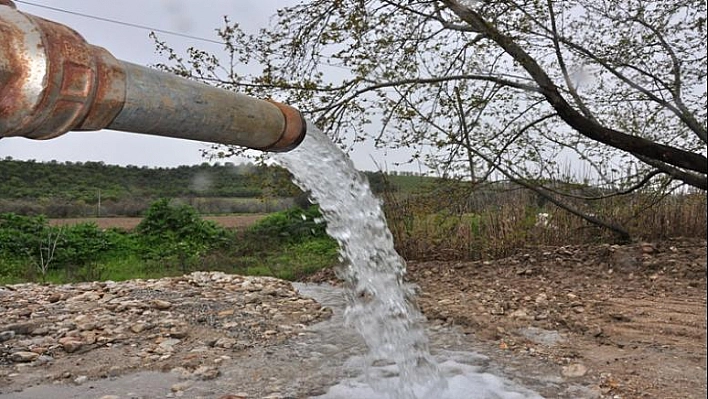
x,y
46,249
480,89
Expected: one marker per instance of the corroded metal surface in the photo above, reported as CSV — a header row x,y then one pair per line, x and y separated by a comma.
x,y
52,81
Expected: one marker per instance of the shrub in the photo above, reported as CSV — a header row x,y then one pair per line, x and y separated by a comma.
x,y
289,227
287,245
175,234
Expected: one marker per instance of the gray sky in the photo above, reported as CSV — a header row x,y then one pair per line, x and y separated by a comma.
x,y
194,18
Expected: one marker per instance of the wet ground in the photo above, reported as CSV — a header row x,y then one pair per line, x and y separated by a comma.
x,y
324,361
572,322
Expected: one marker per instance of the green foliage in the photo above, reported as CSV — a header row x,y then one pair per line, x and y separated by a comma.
x,y
94,188
289,227
171,239
30,247
288,245
175,233
82,244
18,234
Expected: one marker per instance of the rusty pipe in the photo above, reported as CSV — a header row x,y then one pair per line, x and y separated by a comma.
x,y
52,81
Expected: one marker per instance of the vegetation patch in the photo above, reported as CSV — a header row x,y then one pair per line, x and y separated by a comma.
x,y
171,239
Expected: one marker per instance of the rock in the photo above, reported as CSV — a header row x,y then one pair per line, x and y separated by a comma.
x,y
109,397
206,373
54,298
22,328
43,359
496,311
574,370
40,331
181,386
138,327
226,343
24,357
70,344
519,314
178,333
647,248
88,296
160,304
168,344
114,371
82,379
7,335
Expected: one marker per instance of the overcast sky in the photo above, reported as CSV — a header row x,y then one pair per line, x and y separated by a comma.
x,y
194,18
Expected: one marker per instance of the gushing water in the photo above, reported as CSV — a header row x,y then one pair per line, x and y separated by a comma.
x,y
381,307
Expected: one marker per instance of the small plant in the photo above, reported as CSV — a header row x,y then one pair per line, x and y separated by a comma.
x,y
46,251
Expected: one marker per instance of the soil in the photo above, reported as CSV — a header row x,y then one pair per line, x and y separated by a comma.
x,y
624,321
630,320
127,223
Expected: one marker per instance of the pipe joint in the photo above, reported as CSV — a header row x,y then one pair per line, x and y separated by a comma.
x,y
52,80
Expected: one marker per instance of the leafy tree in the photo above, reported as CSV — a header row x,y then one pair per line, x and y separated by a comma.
x,y
481,89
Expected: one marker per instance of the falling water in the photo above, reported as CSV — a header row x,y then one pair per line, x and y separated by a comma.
x,y
381,307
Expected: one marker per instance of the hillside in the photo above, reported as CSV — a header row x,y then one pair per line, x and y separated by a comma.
x,y
79,189
83,181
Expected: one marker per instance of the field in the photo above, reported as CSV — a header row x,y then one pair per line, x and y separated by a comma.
x,y
127,223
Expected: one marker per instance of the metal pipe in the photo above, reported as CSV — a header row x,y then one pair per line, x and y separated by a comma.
x,y
52,81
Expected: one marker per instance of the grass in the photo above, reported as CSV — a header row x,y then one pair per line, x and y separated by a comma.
x,y
423,229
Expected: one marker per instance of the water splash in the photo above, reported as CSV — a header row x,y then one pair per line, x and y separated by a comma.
x,y
381,307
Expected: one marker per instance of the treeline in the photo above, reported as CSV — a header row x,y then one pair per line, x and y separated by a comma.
x,y
81,189
86,181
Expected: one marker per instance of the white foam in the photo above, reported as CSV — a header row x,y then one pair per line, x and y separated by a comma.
x,y
464,381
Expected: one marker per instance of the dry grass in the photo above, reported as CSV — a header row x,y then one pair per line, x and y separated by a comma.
x,y
430,229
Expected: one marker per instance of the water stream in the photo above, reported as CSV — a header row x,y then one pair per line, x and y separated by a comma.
x,y
381,308
389,351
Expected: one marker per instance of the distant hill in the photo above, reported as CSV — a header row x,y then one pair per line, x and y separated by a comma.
x,y
72,189
84,180
67,189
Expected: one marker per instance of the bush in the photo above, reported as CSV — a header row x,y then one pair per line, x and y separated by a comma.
x,y
29,246
19,234
175,234
289,227
287,245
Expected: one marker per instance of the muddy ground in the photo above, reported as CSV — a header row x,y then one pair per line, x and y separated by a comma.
x,y
625,321
631,320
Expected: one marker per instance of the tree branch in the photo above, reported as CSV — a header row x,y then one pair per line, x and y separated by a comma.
x,y
635,145
503,82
